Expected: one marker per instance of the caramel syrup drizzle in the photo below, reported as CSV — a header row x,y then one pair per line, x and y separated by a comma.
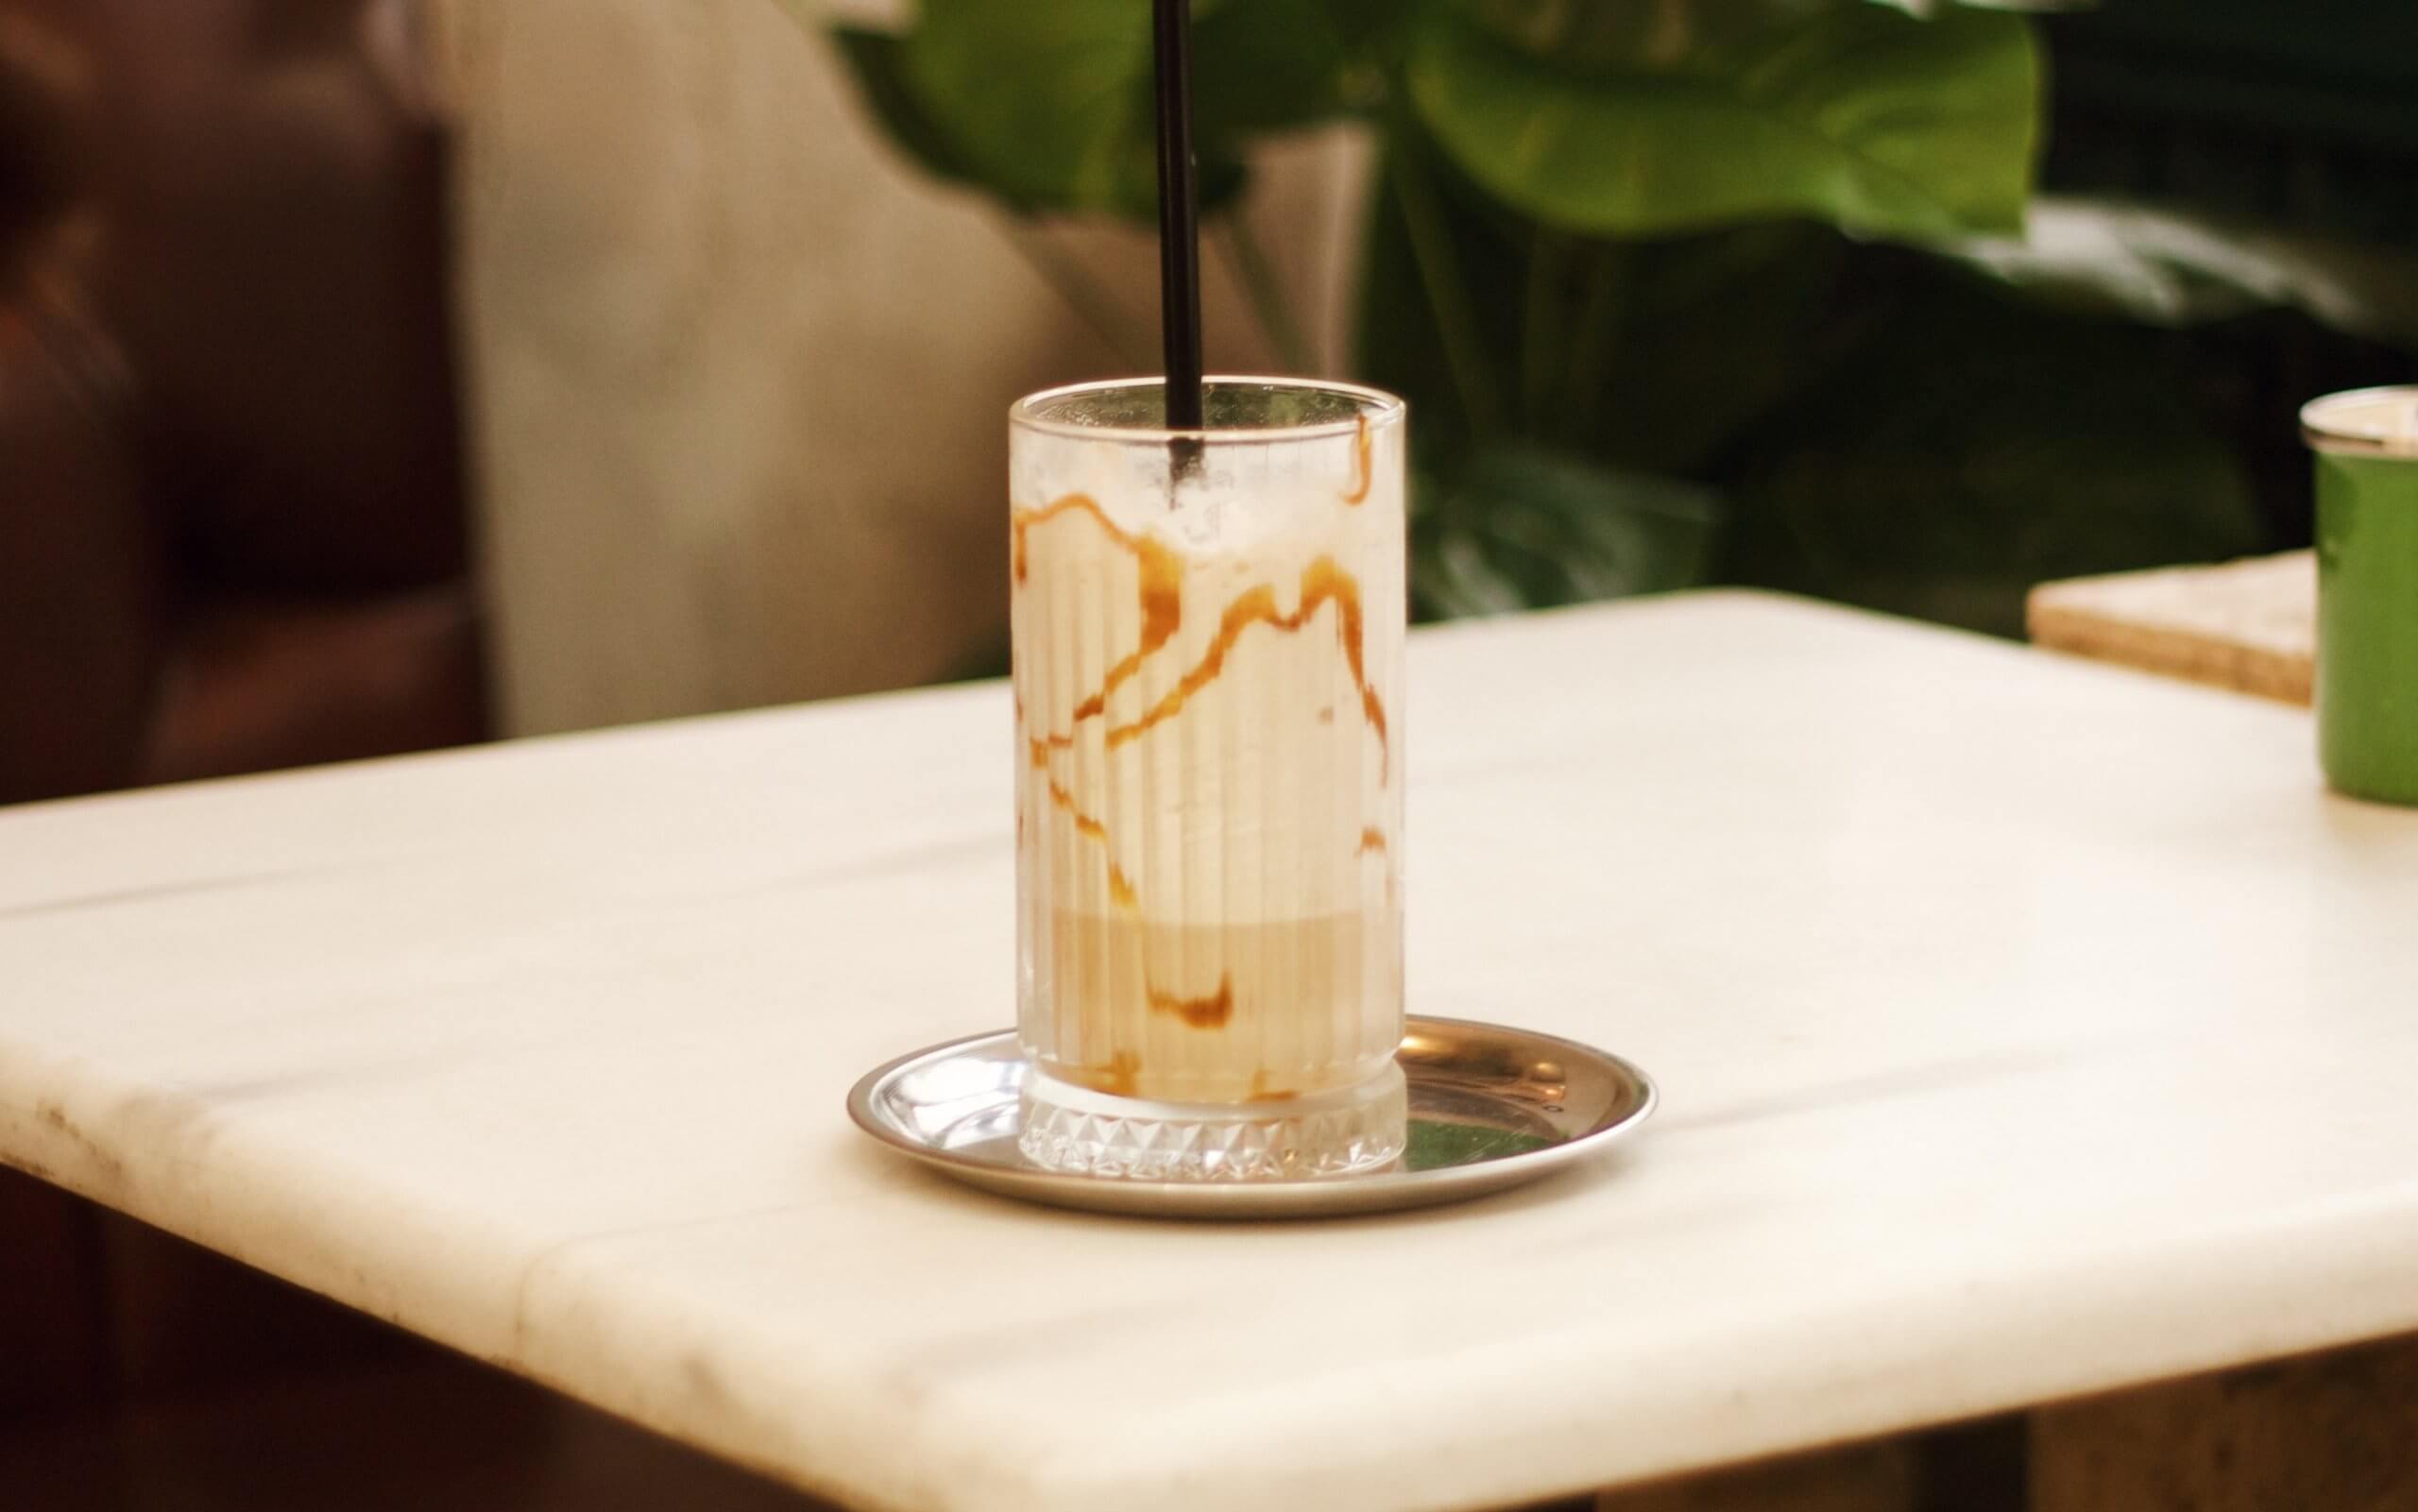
x,y
1322,582
1263,1090
1161,594
1162,615
1208,1013
1363,457
1120,888
1120,1076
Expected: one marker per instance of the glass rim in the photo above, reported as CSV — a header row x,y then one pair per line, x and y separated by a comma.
x,y
1377,408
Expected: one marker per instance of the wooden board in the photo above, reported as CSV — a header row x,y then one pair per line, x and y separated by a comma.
x,y
2249,625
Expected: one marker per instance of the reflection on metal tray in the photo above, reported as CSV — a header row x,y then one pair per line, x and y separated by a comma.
x,y
1489,1107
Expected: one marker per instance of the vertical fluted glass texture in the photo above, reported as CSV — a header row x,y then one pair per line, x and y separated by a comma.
x,y
1208,669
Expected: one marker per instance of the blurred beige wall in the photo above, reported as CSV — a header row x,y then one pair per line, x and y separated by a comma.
x,y
739,374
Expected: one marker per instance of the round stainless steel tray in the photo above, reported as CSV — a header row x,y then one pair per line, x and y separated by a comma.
x,y
1489,1107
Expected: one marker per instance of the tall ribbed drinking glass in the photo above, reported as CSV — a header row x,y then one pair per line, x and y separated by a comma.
x,y
1208,669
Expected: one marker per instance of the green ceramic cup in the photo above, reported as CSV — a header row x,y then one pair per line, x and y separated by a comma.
x,y
2366,443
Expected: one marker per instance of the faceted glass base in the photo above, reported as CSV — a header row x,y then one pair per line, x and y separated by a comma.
x,y
1332,1134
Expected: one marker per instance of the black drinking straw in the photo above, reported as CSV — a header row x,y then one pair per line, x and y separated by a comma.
x,y
1178,221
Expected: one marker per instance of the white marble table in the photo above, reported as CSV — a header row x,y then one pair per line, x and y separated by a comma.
x,y
2027,1028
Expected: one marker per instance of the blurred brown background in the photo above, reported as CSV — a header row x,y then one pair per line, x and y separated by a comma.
x,y
235,533
233,536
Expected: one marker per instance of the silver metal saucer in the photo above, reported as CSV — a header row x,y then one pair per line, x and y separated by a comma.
x,y
1489,1107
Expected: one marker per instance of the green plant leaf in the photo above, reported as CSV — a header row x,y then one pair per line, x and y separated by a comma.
x,y
1268,66
1932,8
1972,446
1600,38
1050,106
1522,527
1650,356
1883,124
2181,267
1047,105
1712,333
1437,315
876,62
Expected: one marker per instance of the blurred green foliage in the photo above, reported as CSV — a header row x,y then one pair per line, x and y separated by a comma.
x,y
1690,291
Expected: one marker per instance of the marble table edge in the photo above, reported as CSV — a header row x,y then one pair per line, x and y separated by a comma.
x,y
110,1143
157,1155
163,1157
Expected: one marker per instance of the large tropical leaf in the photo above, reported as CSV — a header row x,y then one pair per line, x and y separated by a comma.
x,y
2174,267
1273,65
1048,106
1884,123
1520,526
1932,8
1972,446
1645,355
876,62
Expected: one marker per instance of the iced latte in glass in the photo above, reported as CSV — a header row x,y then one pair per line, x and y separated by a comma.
x,y
1208,669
